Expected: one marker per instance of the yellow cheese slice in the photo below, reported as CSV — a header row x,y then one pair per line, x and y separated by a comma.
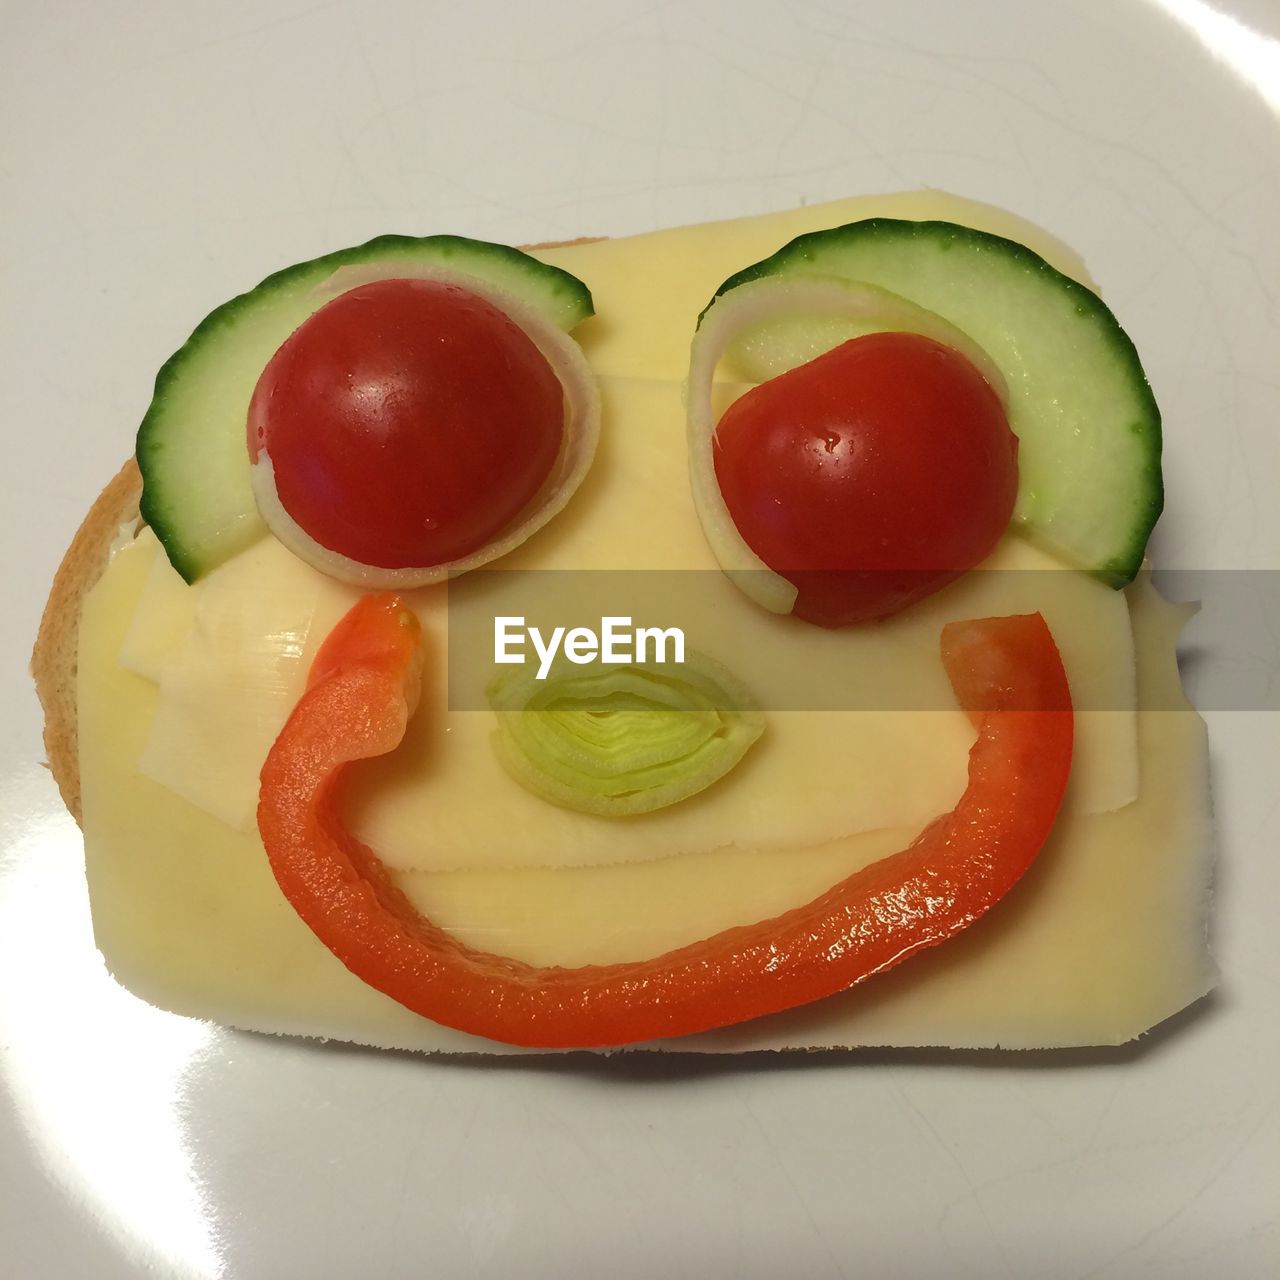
x,y
164,619
815,775
1103,939
630,543
645,310
226,697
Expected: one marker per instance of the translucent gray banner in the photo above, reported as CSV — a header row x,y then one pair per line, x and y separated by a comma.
x,y
1115,644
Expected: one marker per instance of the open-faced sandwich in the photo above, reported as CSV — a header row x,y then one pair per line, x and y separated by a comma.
x,y
368,680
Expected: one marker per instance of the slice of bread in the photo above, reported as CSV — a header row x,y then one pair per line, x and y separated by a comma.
x,y
163,941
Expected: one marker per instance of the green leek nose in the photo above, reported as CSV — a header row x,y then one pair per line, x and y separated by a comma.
x,y
617,741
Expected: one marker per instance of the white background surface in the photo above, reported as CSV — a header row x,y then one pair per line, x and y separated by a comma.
x,y
157,158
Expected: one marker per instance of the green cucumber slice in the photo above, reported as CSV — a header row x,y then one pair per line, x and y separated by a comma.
x,y
191,444
1090,485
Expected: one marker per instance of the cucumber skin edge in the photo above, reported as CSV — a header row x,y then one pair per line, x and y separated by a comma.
x,y
1121,569
153,510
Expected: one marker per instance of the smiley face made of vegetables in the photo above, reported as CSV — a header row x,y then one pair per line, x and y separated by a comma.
x,y
556,545
398,409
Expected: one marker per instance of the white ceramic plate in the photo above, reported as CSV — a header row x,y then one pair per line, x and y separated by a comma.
x,y
157,158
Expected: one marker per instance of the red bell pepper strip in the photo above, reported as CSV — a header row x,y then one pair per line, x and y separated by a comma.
x,y
1006,673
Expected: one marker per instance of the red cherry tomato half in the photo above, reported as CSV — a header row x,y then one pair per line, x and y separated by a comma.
x,y
408,422
871,476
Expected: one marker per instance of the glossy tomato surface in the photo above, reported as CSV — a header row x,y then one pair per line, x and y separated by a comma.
x,y
870,476
408,422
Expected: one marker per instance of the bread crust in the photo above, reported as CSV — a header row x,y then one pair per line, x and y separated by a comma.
x,y
54,660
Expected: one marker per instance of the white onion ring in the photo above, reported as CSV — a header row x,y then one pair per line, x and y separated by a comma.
x,y
756,302
581,435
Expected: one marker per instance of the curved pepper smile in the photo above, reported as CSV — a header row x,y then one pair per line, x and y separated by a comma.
x,y
1006,673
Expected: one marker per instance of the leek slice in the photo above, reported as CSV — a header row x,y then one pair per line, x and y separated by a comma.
x,y
616,741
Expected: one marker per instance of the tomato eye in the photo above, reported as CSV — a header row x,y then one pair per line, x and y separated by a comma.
x,y
870,476
408,422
